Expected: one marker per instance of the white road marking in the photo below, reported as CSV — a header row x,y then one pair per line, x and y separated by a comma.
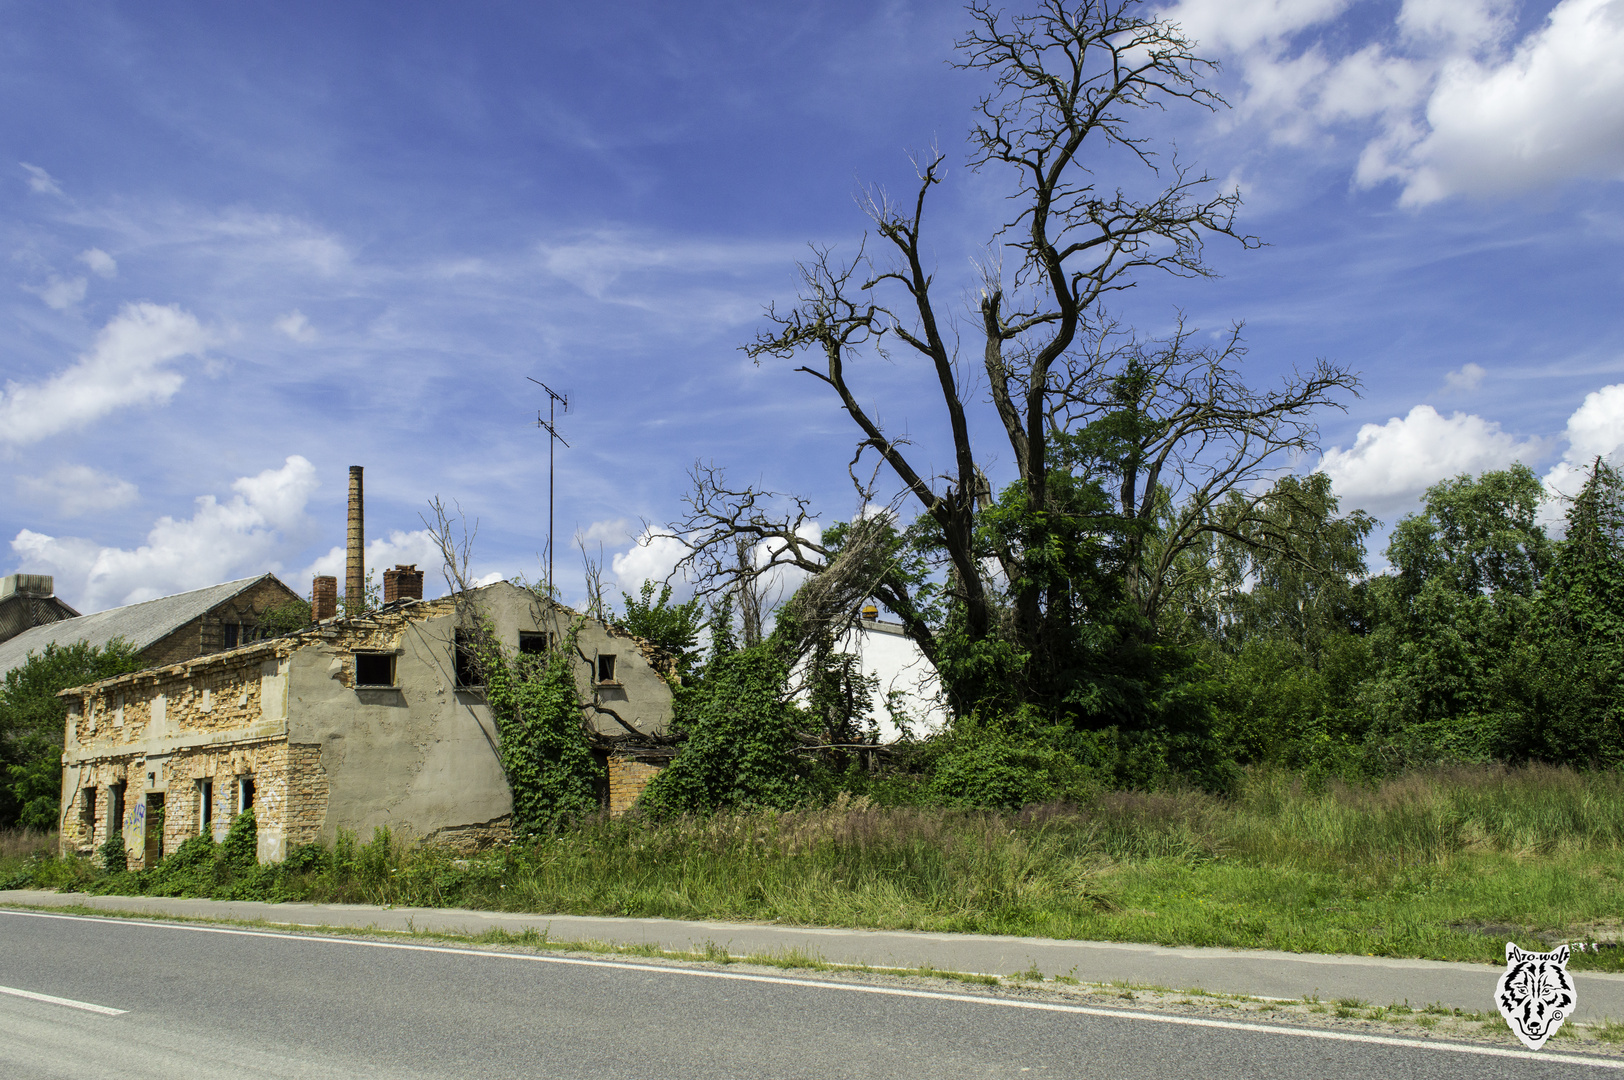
x,y
69,1002
851,988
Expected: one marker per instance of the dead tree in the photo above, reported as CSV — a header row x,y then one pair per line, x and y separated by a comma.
x,y
1068,82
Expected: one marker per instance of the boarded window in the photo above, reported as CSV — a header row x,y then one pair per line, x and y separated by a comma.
x,y
374,669
606,668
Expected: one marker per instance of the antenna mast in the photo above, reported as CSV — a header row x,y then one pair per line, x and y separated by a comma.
x,y
553,437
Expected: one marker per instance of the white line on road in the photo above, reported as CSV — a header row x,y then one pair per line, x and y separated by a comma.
x,y
69,1002
851,988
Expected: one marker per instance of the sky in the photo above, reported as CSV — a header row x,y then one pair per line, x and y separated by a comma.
x,y
248,246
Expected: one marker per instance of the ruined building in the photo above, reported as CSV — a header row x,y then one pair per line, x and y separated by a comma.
x,y
165,631
357,721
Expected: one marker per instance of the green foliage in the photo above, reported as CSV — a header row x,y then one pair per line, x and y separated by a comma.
x,y
740,739
240,848
32,720
114,859
545,753
671,628
286,618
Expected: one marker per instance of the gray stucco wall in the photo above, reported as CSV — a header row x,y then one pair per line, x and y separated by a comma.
x,y
421,756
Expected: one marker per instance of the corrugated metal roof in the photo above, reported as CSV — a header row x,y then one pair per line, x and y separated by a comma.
x,y
139,624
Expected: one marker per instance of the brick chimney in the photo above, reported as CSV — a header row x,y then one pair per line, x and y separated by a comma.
x,y
355,571
323,598
402,583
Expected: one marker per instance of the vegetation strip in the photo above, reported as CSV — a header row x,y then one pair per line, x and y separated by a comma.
x,y
888,991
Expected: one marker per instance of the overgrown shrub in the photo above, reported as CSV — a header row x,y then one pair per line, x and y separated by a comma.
x,y
740,738
114,859
240,849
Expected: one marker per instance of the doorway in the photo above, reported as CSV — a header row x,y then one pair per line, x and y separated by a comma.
x,y
154,828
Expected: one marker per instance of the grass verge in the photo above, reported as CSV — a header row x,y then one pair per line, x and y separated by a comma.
x,y
1444,865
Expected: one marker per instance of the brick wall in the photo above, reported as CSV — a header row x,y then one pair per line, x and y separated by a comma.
x,y
627,779
307,793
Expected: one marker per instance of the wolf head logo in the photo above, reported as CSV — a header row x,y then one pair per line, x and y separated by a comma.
x,y
1535,994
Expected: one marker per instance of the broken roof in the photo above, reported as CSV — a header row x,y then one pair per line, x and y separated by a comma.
x,y
139,624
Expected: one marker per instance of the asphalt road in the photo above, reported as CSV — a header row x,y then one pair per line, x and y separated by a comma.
x,y
1254,972
212,1002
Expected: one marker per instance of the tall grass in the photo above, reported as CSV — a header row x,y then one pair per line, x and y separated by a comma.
x,y
1422,865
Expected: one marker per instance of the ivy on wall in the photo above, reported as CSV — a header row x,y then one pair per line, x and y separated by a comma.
x,y
544,749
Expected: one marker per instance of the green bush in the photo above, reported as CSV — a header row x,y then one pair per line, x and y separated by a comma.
x,y
114,859
240,849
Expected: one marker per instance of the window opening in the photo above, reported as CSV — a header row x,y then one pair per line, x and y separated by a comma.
x,y
245,794
374,669
115,808
535,644
154,827
231,635
205,805
466,664
87,812
606,668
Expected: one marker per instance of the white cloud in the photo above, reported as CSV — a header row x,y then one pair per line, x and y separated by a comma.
x,y
653,557
1457,106
1390,465
39,181
398,548
100,263
78,489
1243,25
296,326
1552,111
125,368
219,542
60,293
1469,377
1461,24
1596,429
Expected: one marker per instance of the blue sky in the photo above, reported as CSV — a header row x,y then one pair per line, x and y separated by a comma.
x,y
250,245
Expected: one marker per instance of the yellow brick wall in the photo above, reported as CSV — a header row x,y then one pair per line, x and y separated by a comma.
x,y
627,779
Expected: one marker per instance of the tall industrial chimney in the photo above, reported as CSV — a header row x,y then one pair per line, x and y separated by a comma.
x,y
355,571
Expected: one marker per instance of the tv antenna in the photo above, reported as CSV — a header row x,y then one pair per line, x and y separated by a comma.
x,y
554,400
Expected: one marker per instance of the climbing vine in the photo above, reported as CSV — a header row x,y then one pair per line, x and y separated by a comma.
x,y
544,749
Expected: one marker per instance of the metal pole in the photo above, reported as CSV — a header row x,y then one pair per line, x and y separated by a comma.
x,y
553,400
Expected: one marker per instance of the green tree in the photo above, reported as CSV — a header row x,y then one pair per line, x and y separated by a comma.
x,y
671,628
1467,570
33,719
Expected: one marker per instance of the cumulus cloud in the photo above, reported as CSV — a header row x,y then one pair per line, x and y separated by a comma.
x,y
296,326
221,541
1596,429
653,557
1469,377
416,547
1551,111
101,264
77,489
1457,104
1390,465
59,293
39,181
128,366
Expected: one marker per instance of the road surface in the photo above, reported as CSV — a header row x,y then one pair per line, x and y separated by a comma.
x,y
87,997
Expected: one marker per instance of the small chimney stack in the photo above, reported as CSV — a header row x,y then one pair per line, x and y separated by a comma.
x,y
402,583
355,571
323,598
